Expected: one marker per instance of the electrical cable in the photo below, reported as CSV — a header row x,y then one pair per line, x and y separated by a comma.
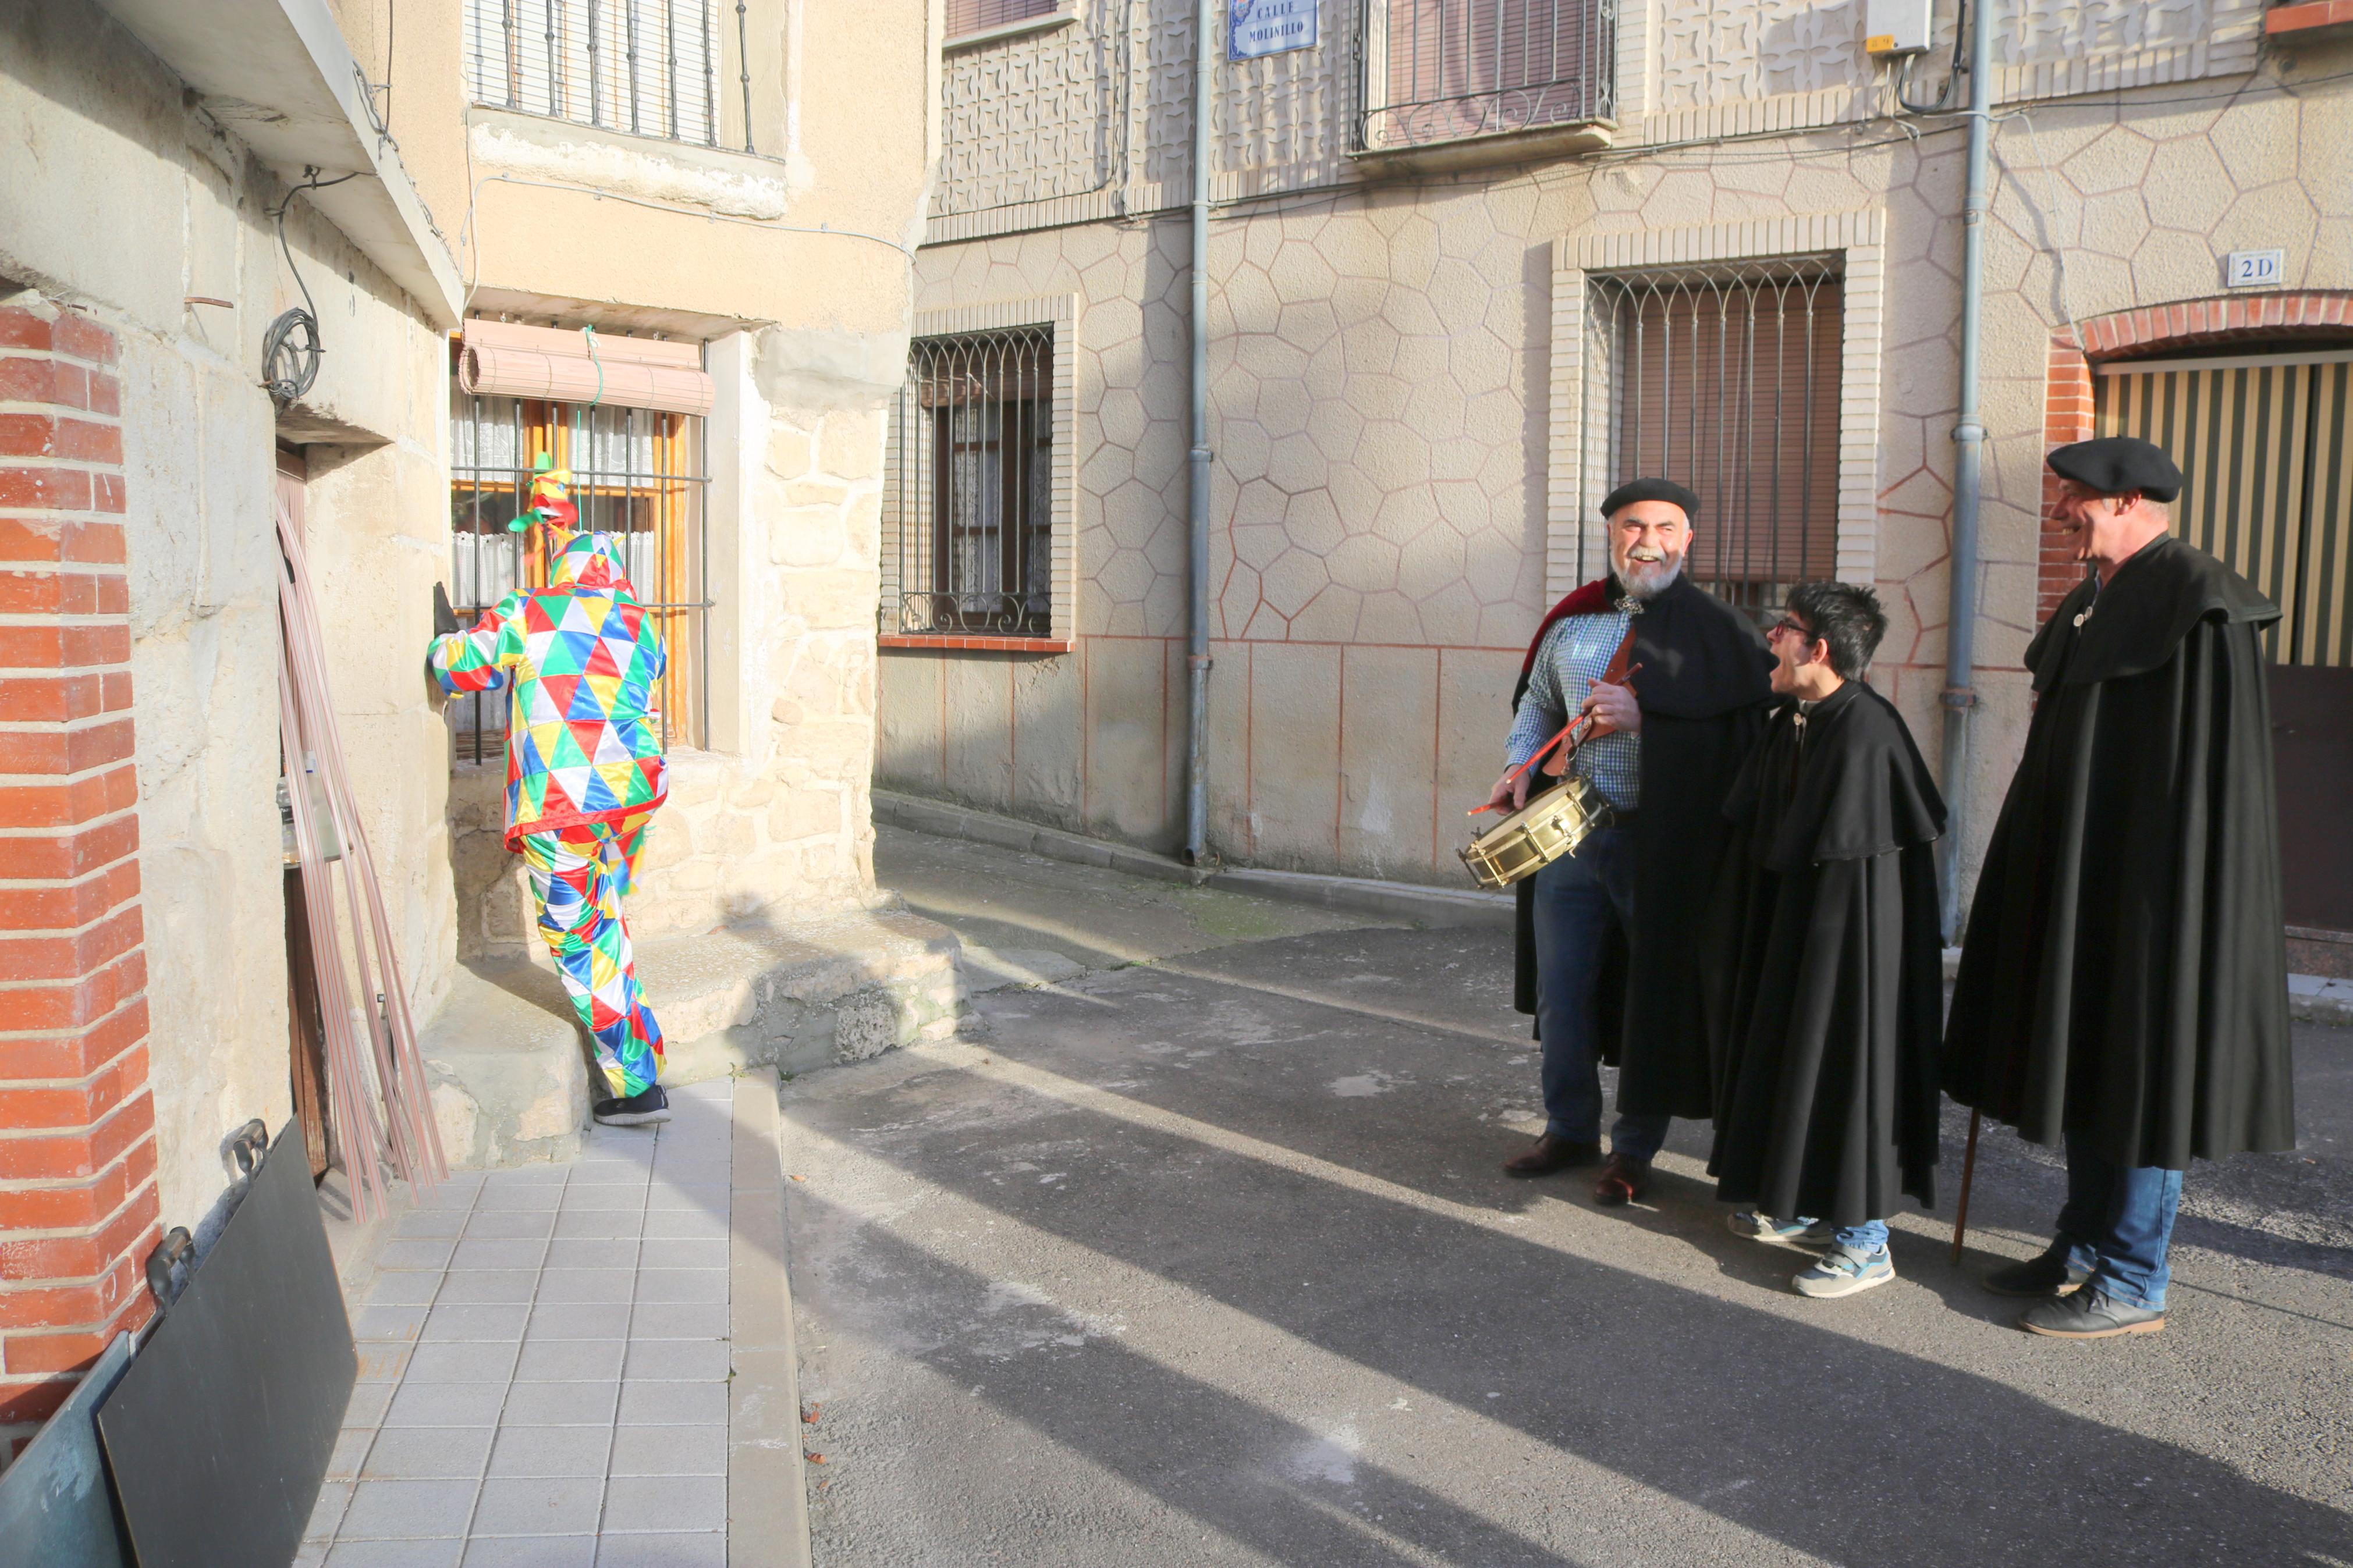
x,y
289,368
1961,15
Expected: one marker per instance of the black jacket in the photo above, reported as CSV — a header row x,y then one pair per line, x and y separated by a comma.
x,y
2125,976
1825,968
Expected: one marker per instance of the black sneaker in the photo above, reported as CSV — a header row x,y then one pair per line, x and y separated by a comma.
x,y
643,1108
2089,1313
2049,1275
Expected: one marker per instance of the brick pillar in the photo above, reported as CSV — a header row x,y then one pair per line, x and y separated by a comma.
x,y
77,1203
2066,417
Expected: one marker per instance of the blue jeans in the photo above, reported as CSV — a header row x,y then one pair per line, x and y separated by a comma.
x,y
1578,899
1868,1236
2118,1224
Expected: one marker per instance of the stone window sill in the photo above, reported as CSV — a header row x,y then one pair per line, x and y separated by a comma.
x,y
951,643
1045,24
1494,147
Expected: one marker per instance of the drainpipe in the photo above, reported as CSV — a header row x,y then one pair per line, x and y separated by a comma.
x,y
1960,696
1196,655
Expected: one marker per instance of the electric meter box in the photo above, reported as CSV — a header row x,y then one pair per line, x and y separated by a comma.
x,y
1895,28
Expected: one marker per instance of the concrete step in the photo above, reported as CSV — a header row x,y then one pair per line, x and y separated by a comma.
x,y
801,995
510,1069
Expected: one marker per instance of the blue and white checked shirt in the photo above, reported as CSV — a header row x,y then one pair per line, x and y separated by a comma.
x,y
1575,654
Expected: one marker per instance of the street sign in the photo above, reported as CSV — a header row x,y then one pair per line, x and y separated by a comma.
x,y
1257,28
2254,268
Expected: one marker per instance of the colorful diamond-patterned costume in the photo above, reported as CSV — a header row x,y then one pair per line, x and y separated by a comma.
x,y
585,773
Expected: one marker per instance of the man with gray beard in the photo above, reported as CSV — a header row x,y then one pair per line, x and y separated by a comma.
x,y
1607,951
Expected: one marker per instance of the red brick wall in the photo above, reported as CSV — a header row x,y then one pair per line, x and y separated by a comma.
x,y
2189,324
78,1206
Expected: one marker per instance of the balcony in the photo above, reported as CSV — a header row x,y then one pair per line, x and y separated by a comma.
x,y
1457,83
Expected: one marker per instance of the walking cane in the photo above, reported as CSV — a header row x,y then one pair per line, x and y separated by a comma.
x,y
1968,1173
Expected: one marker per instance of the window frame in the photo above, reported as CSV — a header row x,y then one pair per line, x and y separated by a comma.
x,y
1578,464
1599,89
1761,339
1061,13
679,500
1058,315
601,73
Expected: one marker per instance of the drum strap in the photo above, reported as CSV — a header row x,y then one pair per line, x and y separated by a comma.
x,y
1617,673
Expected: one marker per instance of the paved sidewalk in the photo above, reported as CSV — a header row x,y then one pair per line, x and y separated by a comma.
x,y
544,1361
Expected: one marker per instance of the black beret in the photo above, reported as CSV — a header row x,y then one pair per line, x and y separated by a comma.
x,y
2115,464
1667,491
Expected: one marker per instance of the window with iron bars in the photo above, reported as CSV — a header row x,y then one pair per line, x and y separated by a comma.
x,y
969,536
1726,381
1439,70
636,474
969,17
650,68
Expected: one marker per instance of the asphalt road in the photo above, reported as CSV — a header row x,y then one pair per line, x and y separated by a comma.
x,y
1199,1253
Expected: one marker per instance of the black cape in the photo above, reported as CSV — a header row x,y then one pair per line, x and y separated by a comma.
x,y
2125,976
1826,969
1703,688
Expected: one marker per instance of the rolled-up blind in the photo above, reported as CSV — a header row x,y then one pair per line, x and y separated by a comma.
x,y
506,359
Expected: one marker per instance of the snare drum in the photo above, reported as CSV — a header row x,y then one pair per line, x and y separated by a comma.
x,y
1549,827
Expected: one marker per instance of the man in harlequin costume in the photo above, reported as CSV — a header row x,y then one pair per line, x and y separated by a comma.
x,y
585,773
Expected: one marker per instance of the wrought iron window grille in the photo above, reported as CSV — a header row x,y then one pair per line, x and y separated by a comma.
x,y
1444,70
636,473
971,550
1724,379
650,68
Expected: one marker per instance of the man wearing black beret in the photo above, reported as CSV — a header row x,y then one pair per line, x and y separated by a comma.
x,y
1607,951
2123,987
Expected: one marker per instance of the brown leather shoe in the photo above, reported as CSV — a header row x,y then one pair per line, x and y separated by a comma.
x,y
1622,1180
1548,1154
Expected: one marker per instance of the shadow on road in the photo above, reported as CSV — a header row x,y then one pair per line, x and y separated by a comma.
x,y
1840,1447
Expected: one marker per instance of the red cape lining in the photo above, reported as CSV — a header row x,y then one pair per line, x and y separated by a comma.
x,y
1591,599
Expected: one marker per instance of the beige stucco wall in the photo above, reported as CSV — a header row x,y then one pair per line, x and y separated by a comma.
x,y
792,267
1380,362
118,197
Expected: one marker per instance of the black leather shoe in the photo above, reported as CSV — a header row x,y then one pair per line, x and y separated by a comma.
x,y
2089,1314
1548,1154
2049,1275
643,1108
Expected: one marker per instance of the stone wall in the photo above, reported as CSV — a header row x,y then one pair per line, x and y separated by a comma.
x,y
125,208
1381,362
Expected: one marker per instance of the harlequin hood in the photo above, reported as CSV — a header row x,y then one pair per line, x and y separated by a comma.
x,y
590,560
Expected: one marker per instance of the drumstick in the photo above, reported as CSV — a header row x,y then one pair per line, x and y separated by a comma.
x,y
1576,732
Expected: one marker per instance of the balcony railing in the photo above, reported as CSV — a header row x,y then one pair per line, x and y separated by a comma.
x,y
666,68
1443,70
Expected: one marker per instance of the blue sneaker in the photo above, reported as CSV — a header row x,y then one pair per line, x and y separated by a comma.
x,y
1842,1272
1812,1235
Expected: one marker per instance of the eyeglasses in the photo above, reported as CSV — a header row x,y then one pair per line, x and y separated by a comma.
x,y
1798,629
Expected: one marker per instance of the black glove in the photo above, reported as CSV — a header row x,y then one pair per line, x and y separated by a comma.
x,y
445,619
